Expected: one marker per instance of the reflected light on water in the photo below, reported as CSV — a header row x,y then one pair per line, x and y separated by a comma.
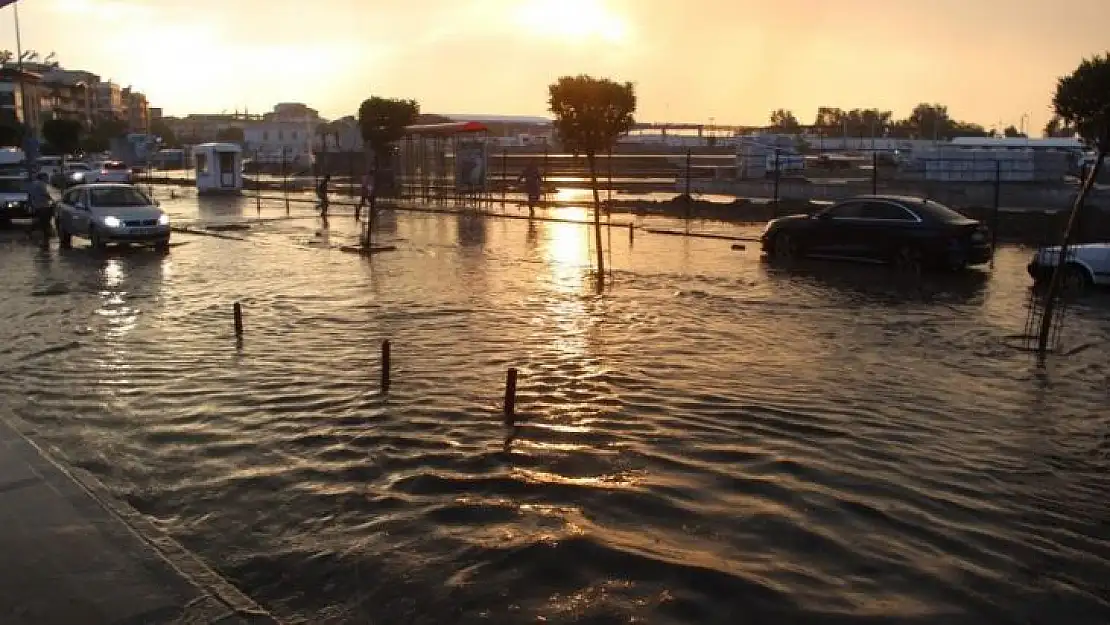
x,y
113,273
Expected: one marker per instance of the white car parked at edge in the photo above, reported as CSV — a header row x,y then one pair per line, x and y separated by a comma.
x,y
1086,264
111,213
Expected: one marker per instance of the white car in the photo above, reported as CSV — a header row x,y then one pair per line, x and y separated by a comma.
x,y
111,213
109,171
1087,264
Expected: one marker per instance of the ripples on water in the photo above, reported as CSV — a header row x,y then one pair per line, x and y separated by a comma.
x,y
710,441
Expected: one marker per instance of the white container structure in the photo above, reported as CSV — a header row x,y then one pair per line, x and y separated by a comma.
x,y
219,167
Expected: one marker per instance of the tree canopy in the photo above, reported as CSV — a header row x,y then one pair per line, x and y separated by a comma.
x,y
1058,128
784,121
11,131
62,135
1082,100
382,122
591,113
99,138
159,128
926,121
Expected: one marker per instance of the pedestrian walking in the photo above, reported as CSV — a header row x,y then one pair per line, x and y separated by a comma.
x,y
42,208
366,193
322,195
533,185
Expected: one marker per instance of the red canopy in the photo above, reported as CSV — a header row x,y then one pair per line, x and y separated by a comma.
x,y
449,128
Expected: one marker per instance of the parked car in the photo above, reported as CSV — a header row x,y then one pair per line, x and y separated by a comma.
x,y
111,213
907,231
1087,264
73,173
109,171
50,165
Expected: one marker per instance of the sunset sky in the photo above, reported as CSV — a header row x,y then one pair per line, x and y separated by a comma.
x,y
732,60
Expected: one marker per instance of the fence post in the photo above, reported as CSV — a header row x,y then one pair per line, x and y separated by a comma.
x,y
257,184
284,181
874,171
610,162
995,217
237,313
510,397
504,175
385,366
351,174
775,198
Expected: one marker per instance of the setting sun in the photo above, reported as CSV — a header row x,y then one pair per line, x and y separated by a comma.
x,y
573,20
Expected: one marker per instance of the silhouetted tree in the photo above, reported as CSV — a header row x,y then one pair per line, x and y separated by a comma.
x,y
1058,128
1082,100
11,130
783,120
930,121
382,122
590,115
64,137
99,138
159,128
1012,132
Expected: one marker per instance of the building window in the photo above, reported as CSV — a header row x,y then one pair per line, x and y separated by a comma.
x,y
294,135
265,135
281,135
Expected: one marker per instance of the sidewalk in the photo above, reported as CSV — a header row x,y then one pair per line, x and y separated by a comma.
x,y
71,554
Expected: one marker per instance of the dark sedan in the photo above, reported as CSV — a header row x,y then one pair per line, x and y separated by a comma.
x,y
907,231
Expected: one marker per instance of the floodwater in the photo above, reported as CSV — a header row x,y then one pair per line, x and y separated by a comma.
x,y
711,440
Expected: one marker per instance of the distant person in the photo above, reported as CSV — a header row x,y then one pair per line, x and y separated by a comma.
x,y
322,195
366,193
533,185
42,207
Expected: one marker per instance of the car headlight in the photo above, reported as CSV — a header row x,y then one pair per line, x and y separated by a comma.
x,y
112,222
163,220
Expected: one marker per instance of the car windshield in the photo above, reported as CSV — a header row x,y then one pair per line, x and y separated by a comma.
x,y
8,185
117,196
115,166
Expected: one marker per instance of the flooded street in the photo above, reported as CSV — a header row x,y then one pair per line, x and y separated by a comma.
x,y
712,440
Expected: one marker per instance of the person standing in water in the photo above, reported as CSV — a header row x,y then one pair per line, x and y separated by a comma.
x,y
42,207
533,185
366,195
322,195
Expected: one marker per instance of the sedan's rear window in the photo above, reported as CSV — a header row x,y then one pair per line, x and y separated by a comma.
x,y
115,166
938,211
117,196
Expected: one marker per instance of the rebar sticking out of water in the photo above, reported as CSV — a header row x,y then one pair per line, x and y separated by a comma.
x,y
385,366
237,311
510,408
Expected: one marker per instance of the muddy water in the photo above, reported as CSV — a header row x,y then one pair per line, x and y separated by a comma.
x,y
712,440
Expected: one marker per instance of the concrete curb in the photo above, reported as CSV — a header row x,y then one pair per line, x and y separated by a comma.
x,y
218,601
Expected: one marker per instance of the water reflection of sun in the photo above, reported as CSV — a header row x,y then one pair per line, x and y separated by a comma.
x,y
567,250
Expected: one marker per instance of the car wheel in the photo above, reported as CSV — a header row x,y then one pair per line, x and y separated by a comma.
x,y
908,259
1076,279
94,238
5,223
784,247
162,246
